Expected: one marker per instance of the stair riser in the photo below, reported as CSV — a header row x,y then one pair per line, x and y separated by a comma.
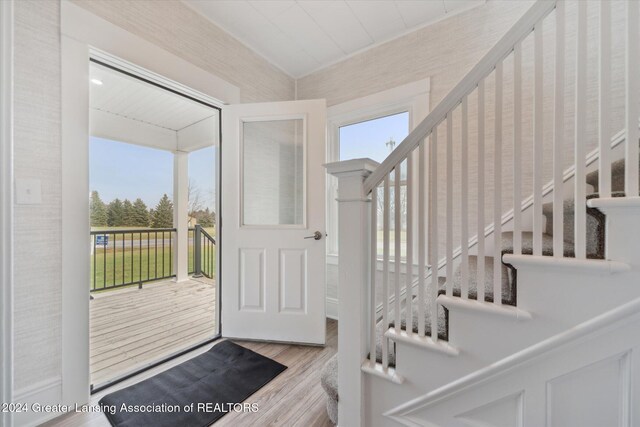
x,y
431,370
623,233
489,338
573,297
558,301
483,336
595,224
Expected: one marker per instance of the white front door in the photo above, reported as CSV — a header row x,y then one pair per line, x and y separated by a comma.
x,y
273,221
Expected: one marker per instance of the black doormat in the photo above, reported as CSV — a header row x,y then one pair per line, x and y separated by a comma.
x,y
195,393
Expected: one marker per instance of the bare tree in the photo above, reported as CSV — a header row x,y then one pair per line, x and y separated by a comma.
x,y
195,197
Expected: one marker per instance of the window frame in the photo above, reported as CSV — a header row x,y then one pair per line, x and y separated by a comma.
x,y
241,212
412,98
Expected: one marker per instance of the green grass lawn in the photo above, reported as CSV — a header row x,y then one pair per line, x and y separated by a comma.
x,y
135,262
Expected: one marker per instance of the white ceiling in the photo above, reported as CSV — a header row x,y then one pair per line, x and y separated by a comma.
x,y
130,110
301,36
133,99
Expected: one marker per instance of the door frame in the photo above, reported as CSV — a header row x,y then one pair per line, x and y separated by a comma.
x,y
83,36
138,73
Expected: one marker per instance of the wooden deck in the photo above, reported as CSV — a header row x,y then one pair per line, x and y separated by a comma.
x,y
132,328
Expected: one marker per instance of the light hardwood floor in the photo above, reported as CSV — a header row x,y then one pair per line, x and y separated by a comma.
x,y
132,328
293,398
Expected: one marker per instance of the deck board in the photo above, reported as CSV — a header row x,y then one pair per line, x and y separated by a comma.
x,y
132,328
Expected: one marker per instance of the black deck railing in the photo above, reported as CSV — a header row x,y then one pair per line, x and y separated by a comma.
x,y
204,253
135,256
128,257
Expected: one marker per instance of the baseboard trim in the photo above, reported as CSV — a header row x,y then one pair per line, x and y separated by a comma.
x,y
46,392
332,308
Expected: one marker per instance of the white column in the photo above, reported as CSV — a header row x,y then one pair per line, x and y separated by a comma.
x,y
354,216
181,214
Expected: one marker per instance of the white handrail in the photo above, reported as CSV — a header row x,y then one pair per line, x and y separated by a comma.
x,y
503,47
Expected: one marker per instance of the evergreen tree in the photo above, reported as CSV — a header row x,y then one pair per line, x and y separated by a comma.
x,y
163,214
205,218
115,214
98,211
140,215
127,213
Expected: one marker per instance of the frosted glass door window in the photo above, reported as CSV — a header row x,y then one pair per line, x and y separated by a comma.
x,y
273,173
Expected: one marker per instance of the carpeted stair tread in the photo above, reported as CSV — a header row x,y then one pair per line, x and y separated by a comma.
x,y
508,291
329,377
442,323
329,382
527,244
595,228
617,176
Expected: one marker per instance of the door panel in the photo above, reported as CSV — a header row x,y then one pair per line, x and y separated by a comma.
x,y
273,200
293,280
252,279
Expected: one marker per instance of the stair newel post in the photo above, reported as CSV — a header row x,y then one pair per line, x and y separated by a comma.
x,y
354,216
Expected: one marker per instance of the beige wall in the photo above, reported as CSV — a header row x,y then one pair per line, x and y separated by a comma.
x,y
37,228
445,52
183,32
168,24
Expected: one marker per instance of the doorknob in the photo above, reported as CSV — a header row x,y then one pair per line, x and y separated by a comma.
x,y
316,236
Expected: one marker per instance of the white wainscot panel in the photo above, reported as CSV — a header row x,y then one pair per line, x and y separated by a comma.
x,y
590,396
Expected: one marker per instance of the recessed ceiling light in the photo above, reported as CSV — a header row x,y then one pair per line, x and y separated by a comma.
x,y
96,82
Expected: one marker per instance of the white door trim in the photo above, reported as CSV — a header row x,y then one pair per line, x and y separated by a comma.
x,y
84,35
6,206
411,97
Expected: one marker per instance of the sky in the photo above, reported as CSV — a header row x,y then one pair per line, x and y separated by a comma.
x,y
128,171
368,139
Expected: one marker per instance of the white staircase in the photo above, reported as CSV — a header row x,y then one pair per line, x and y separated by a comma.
x,y
537,312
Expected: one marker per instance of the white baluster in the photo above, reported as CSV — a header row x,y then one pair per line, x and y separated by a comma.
x,y
421,237
517,149
433,237
481,170
537,141
397,248
580,133
464,203
558,137
632,112
409,258
497,205
604,157
385,273
372,273
449,207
